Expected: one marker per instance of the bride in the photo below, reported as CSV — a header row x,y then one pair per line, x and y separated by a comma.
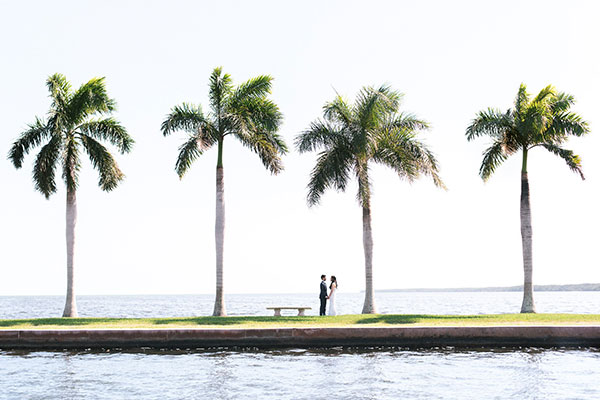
x,y
331,297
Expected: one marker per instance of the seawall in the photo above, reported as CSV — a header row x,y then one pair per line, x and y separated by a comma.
x,y
408,337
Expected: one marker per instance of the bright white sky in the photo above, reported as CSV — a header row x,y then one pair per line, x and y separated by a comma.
x,y
155,233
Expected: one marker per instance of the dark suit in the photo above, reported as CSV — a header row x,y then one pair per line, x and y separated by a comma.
x,y
323,297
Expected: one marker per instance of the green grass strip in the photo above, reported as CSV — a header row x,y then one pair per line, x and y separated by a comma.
x,y
359,320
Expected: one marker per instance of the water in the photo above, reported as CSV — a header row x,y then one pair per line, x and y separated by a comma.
x,y
15,307
303,374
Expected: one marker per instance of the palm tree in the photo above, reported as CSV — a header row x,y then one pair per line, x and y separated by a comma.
x,y
350,136
76,120
544,121
243,112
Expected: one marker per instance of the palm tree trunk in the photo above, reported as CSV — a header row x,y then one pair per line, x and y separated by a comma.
x,y
369,306
528,305
219,310
71,305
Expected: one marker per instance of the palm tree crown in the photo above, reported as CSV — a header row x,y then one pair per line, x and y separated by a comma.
x,y
350,136
544,121
244,112
76,120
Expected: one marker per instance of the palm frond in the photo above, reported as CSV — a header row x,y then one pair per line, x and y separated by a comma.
x,y
268,145
388,97
566,124
546,95
89,99
45,166
252,114
338,111
373,105
410,158
534,121
109,173
320,134
265,114
259,86
189,118
391,149
522,100
490,122
30,138
332,170
562,102
407,122
254,122
429,165
60,91
110,130
571,159
189,151
492,158
220,87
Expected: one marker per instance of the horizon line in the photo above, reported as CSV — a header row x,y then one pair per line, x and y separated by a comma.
x,y
420,289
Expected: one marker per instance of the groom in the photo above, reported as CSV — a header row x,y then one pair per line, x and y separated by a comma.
x,y
323,295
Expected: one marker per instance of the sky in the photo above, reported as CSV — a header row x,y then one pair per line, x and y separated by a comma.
x,y
154,234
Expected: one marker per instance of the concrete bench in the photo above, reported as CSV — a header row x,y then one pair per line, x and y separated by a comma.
x,y
278,310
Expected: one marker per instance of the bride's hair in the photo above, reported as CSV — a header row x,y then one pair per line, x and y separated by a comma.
x,y
333,280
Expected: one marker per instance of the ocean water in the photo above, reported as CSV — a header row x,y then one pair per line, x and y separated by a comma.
x,y
303,374
15,307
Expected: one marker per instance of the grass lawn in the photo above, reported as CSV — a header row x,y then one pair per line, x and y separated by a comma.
x,y
378,320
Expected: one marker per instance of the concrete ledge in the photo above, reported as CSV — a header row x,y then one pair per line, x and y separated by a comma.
x,y
410,337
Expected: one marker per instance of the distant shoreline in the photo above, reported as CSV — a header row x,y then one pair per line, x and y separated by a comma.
x,y
582,287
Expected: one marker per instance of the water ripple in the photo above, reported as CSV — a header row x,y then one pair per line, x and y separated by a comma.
x,y
303,374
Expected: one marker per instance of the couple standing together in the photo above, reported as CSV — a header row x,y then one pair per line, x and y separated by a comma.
x,y
324,297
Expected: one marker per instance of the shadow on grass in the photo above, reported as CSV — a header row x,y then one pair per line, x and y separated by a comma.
x,y
59,321
399,319
125,322
232,320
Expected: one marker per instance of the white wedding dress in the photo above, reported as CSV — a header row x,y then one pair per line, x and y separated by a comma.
x,y
331,308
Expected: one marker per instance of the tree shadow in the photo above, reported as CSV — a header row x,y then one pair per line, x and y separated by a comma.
x,y
58,321
401,319
231,320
